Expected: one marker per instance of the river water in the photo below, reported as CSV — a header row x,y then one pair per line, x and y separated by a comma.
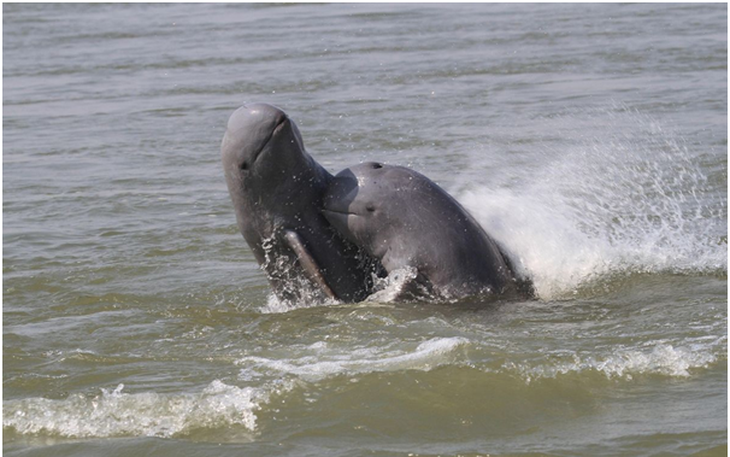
x,y
590,140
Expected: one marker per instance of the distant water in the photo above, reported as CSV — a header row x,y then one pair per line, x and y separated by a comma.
x,y
591,140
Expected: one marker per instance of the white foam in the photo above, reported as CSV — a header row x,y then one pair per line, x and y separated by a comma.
x,y
116,414
325,362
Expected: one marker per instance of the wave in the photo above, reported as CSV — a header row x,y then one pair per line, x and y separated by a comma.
x,y
114,413
118,414
317,362
623,363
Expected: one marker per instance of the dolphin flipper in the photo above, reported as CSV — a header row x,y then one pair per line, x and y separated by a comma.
x,y
310,266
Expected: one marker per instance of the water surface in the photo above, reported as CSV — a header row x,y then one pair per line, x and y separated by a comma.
x,y
591,140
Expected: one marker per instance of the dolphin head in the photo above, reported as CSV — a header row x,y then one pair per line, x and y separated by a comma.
x,y
260,140
363,204
267,169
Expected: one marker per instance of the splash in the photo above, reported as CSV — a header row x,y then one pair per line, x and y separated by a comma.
x,y
393,286
634,202
276,305
295,291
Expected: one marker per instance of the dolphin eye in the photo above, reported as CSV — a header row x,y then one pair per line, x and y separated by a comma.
x,y
370,208
377,166
244,166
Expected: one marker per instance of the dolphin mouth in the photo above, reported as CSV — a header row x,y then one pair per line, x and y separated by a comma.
x,y
342,216
277,128
337,211
337,219
279,125
337,214
334,211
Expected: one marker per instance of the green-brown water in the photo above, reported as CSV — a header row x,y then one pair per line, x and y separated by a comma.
x,y
591,140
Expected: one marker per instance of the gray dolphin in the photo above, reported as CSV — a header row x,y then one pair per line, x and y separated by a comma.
x,y
277,190
404,219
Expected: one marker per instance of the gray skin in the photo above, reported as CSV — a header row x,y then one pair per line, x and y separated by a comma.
x,y
404,219
277,190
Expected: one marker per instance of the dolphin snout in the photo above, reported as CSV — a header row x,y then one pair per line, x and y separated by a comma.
x,y
265,111
256,118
